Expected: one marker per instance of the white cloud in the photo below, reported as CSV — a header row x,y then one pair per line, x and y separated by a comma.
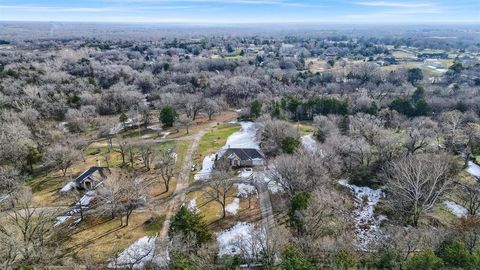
x,y
394,4
29,8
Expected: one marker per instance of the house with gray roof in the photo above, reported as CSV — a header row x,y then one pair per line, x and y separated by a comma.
x,y
242,157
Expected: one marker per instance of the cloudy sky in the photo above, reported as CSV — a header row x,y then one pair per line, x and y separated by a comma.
x,y
243,11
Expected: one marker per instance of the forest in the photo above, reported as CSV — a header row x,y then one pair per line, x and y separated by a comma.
x,y
146,148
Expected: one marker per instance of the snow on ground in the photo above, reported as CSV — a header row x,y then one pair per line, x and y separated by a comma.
x,y
87,198
192,206
165,134
155,127
60,220
245,173
244,190
68,187
309,142
136,255
246,137
63,126
265,176
241,239
367,225
455,208
233,207
207,168
473,169
119,127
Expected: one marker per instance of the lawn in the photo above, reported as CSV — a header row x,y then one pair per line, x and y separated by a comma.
x,y
211,211
98,239
215,139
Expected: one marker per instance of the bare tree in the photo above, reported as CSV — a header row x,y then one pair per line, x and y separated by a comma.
x,y
10,178
325,215
122,195
123,147
468,231
452,126
211,107
25,234
62,156
408,240
184,121
415,183
420,134
273,132
470,198
302,171
147,155
193,105
218,189
166,160
325,126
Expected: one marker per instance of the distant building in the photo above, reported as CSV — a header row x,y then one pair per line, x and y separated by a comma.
x,y
433,55
242,157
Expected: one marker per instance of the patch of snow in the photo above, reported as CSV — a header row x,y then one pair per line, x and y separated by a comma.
x,y
246,137
87,198
116,129
60,220
156,127
192,206
473,169
119,127
233,207
165,134
367,225
273,186
242,239
207,167
244,190
455,208
136,255
309,142
68,187
245,173
63,126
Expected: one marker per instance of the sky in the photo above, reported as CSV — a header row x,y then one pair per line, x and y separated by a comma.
x,y
244,11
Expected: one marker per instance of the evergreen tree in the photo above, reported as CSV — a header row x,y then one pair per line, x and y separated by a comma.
x,y
289,145
168,116
123,118
255,109
187,222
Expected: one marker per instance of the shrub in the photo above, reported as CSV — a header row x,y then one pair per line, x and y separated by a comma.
x,y
289,145
293,259
425,260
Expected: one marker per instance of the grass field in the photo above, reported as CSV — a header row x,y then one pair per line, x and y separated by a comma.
x,y
214,139
99,239
211,211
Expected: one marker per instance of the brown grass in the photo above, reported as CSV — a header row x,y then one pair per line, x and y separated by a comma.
x,y
102,238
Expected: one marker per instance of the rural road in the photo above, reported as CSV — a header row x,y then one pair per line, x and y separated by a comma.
x,y
179,195
182,188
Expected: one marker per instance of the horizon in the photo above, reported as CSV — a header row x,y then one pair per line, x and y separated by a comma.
x,y
243,12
